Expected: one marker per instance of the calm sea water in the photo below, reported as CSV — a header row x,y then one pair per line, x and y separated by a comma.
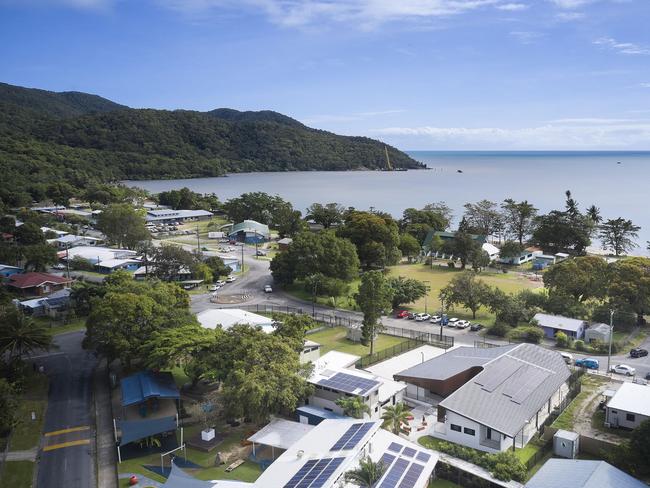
x,y
619,190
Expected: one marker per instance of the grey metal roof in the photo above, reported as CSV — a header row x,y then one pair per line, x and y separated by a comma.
x,y
511,388
558,322
575,473
250,226
453,362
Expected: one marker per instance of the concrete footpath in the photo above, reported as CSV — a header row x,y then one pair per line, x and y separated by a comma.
x,y
106,454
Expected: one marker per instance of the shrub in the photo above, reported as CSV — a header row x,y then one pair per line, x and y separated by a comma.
x,y
561,339
531,334
81,264
579,345
506,466
451,264
499,330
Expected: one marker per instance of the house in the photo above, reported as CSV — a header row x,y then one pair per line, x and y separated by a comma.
x,y
310,352
552,324
69,240
490,399
6,270
597,332
56,232
629,406
577,473
38,284
216,235
111,265
448,236
525,256
250,232
182,275
543,261
96,254
227,317
491,250
232,262
308,414
168,215
51,306
283,244
561,256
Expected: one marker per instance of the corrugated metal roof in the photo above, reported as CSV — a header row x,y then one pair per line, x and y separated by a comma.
x,y
558,322
575,473
510,389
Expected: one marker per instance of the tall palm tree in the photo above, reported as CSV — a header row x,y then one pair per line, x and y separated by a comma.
x,y
20,335
395,416
353,406
367,474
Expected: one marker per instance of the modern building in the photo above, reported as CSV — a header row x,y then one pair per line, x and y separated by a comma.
x,y
310,352
111,265
250,232
490,399
597,332
629,406
527,255
96,254
70,240
37,284
552,324
308,414
168,215
225,318
574,473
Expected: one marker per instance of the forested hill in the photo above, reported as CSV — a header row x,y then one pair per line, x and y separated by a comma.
x,y
47,136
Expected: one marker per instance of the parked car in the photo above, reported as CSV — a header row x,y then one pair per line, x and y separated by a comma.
x,y
588,363
568,358
435,319
476,327
421,317
261,253
220,283
623,369
230,279
402,314
452,321
213,287
268,289
462,324
59,266
411,315
638,353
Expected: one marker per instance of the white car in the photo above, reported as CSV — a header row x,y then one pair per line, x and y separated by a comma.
x,y
435,319
268,289
623,369
421,317
452,322
220,283
213,287
462,324
230,279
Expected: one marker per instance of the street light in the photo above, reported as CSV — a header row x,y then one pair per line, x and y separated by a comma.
x,y
611,334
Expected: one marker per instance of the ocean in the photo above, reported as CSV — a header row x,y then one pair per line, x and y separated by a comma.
x,y
616,182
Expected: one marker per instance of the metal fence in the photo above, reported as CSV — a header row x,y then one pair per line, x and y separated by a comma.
x,y
438,340
388,353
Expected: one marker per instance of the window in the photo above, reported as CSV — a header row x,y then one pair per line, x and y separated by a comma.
x,y
328,409
455,427
469,431
630,417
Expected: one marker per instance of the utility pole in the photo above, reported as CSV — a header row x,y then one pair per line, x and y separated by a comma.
x,y
442,314
426,294
198,240
67,259
611,334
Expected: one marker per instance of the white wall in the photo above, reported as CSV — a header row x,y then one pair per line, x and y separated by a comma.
x,y
620,418
467,439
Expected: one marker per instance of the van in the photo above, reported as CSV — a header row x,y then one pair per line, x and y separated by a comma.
x,y
589,363
568,358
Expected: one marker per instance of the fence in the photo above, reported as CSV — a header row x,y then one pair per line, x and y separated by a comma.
x,y
539,454
387,353
463,478
437,340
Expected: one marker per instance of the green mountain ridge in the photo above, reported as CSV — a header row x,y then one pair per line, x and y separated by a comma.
x,y
84,139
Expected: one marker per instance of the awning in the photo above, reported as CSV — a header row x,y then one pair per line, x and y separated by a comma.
x,y
180,479
146,384
280,433
133,430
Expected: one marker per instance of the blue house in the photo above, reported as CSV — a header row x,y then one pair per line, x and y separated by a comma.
x,y
6,270
552,324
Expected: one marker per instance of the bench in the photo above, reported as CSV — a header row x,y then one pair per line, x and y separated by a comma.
x,y
234,465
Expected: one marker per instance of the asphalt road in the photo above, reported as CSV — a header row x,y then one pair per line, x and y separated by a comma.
x,y
67,446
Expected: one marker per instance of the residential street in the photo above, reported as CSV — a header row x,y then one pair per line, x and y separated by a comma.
x,y
67,446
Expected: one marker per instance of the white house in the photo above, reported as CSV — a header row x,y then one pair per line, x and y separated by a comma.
x,y
170,215
96,254
629,406
525,256
597,332
227,317
70,240
491,250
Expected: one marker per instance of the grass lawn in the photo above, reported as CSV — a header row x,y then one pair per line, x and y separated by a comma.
x,y
17,474
56,328
346,302
443,484
334,339
567,418
28,432
598,423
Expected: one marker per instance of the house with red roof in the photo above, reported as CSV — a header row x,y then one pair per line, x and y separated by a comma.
x,y
39,284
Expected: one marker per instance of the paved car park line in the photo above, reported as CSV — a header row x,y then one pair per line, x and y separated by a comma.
x,y
66,444
65,431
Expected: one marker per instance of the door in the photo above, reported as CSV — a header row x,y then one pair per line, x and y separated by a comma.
x,y
489,433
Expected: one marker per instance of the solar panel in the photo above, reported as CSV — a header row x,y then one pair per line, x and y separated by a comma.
x,y
533,380
409,452
411,476
295,479
423,456
387,460
326,473
394,474
338,445
352,436
395,447
497,374
349,383
315,473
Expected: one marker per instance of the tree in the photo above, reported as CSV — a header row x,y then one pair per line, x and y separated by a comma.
x,y
632,454
567,230
311,253
518,218
326,215
480,259
509,309
583,278
60,192
353,406
20,334
373,298
396,415
510,249
294,327
561,339
482,217
170,260
462,246
375,236
266,209
409,246
123,226
8,406
618,235
419,223
367,474
217,266
82,295
629,286
29,234
201,271
529,333
39,256
406,290
466,290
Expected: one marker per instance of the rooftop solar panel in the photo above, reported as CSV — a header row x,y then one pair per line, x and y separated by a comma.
x,y
349,383
394,474
409,452
338,445
315,473
534,378
326,473
411,476
395,447
423,456
500,372
387,459
358,435
300,474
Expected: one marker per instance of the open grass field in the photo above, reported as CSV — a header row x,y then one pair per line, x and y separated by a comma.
x,y
17,474
28,432
334,339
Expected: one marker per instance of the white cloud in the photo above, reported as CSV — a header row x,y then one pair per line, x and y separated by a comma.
x,y
569,16
644,85
590,120
526,37
571,4
512,7
631,134
622,47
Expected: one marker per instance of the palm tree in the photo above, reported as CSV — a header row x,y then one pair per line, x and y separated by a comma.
x,y
367,474
353,406
395,416
20,335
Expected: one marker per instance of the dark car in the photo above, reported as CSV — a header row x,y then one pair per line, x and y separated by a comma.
x,y
411,315
476,327
638,353
647,376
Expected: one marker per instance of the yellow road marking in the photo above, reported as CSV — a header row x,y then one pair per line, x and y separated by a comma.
x,y
65,431
66,444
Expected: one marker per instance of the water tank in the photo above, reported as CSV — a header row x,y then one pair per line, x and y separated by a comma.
x,y
566,444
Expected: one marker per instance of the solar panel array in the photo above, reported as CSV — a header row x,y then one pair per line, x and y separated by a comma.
x,y
315,473
499,373
401,472
349,383
352,436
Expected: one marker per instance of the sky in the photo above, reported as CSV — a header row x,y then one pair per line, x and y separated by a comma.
x,y
417,74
